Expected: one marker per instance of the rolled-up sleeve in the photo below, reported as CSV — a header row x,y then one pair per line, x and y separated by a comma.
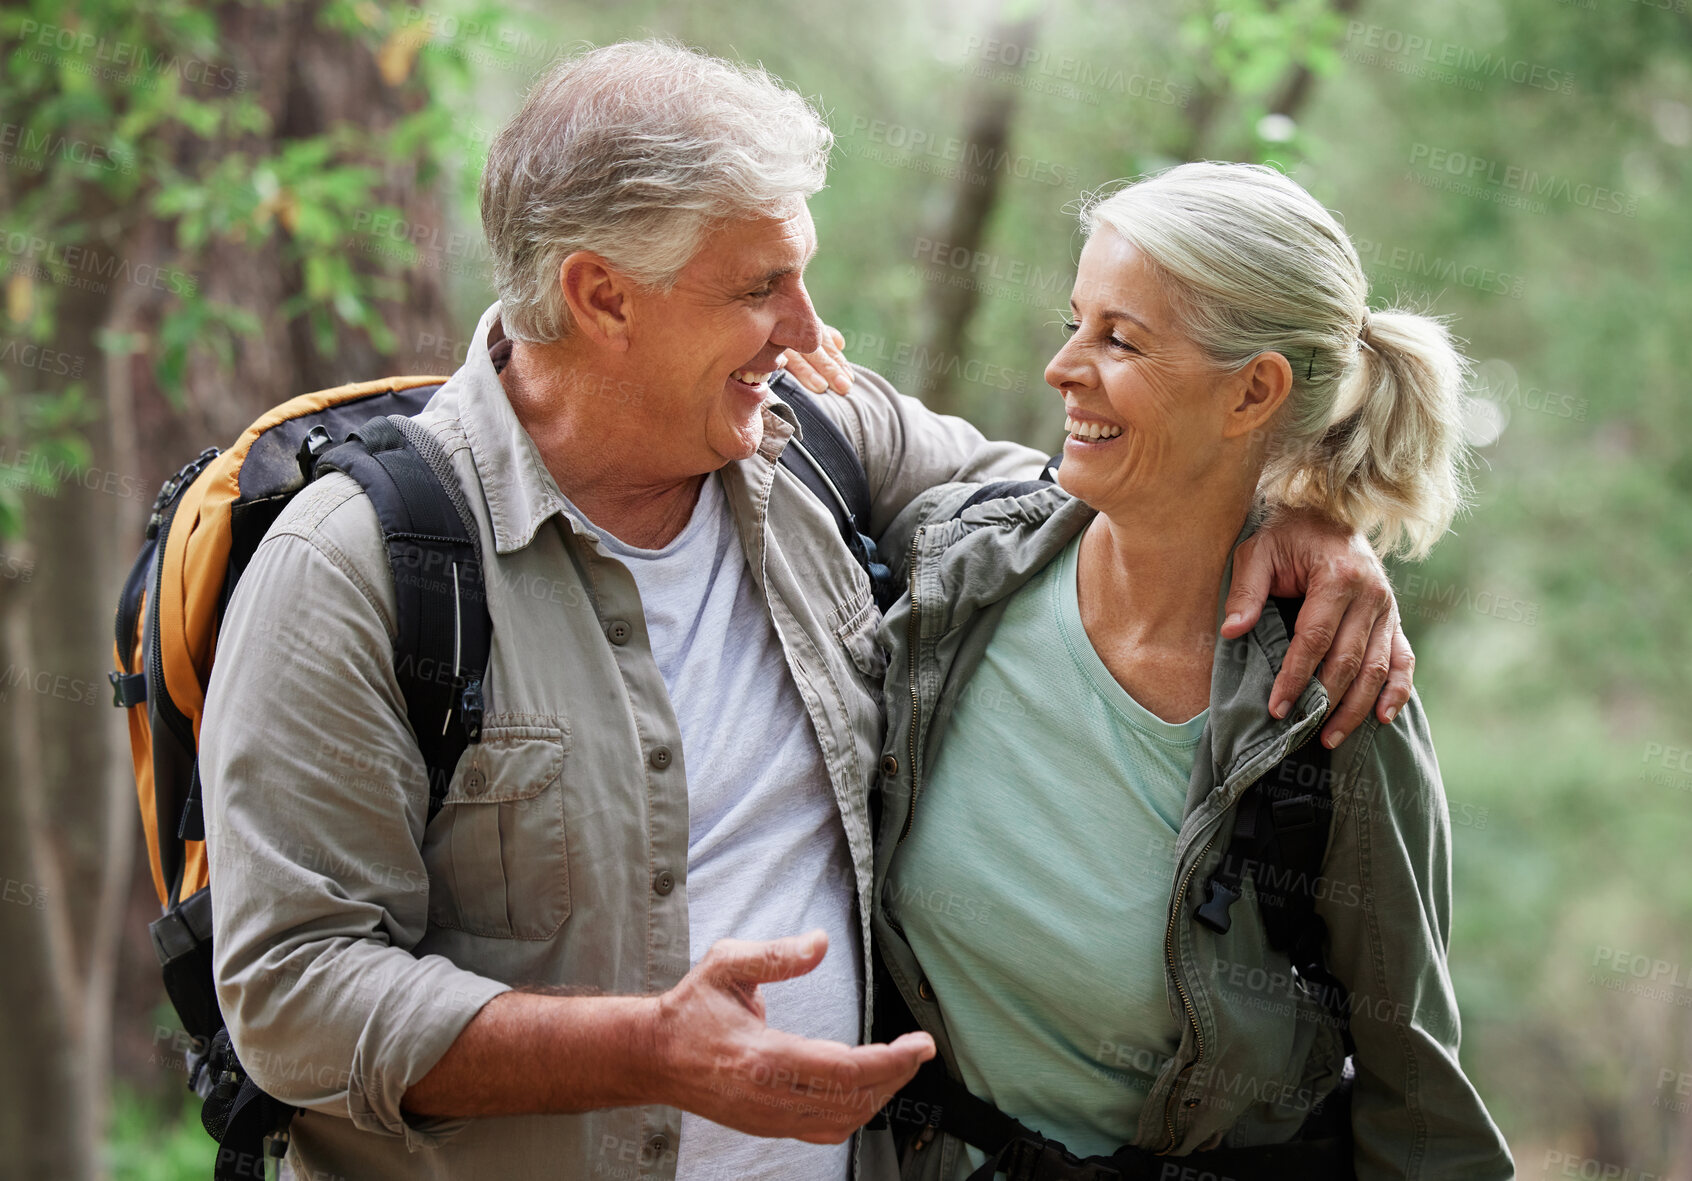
x,y
316,799
908,448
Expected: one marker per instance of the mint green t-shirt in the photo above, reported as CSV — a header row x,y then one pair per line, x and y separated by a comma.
x,y
1034,885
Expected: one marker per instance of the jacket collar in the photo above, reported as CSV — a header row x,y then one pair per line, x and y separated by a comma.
x,y
519,490
979,566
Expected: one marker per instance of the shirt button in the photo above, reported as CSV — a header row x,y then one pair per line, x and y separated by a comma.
x,y
620,631
889,765
660,757
476,782
664,882
1192,1102
925,990
659,1144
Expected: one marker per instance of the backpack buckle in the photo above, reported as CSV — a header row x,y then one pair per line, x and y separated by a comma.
x,y
1213,912
315,443
128,689
470,708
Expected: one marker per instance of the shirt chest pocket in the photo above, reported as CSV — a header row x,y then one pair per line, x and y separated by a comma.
x,y
497,853
856,623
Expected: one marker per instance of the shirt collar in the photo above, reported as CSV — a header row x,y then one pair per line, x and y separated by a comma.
x,y
519,490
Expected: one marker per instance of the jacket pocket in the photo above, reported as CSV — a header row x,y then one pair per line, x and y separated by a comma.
x,y
497,852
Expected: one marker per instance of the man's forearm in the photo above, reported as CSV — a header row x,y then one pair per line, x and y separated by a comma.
x,y
525,1054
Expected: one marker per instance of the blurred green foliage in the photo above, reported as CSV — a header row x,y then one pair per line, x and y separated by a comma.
x,y
150,1142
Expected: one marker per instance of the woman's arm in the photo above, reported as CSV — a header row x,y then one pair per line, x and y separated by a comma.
x,y
1388,910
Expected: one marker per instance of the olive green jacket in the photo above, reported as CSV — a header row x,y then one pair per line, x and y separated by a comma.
x,y
1257,1051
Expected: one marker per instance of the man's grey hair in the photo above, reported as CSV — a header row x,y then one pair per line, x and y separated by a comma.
x,y
633,151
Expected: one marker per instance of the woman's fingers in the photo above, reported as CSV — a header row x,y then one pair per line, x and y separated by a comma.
x,y
824,369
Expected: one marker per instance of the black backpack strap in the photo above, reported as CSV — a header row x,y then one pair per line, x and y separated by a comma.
x,y
444,630
248,1124
1280,837
826,462
1000,489
935,1102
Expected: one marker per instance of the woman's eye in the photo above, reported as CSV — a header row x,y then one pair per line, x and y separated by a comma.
x,y
1117,342
1071,327
761,293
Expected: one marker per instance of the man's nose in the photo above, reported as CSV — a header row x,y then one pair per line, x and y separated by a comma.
x,y
798,329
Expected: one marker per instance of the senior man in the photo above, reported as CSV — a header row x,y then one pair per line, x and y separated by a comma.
x,y
633,941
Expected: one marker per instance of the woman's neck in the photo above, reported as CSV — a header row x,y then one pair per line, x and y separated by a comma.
x,y
1147,584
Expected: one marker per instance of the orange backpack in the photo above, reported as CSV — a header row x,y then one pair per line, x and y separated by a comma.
x,y
206,523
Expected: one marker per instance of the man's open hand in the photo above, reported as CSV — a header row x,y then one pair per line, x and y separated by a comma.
x,y
724,1063
1348,624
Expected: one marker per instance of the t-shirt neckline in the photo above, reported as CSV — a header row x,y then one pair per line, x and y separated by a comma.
x,y
1066,604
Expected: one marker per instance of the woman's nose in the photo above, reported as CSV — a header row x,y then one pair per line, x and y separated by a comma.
x,y
1064,369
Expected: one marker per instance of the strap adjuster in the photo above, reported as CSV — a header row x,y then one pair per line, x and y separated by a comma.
x,y
128,689
1040,1159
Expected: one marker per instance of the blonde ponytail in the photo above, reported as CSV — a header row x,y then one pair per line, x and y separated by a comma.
x,y
1391,460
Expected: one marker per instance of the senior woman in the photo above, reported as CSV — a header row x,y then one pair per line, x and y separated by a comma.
x,y
1069,742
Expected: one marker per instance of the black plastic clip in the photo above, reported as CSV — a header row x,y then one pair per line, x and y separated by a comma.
x,y
470,705
128,689
317,441
1213,912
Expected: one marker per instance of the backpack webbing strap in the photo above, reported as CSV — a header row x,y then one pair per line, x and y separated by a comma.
x,y
829,448
248,1124
937,1102
826,462
444,631
1280,838
1000,489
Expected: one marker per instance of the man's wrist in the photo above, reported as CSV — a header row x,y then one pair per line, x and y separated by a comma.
x,y
646,1050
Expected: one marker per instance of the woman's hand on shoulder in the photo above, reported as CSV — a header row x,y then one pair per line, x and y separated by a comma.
x,y
825,369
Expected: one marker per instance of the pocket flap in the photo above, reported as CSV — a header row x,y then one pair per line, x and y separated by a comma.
x,y
518,757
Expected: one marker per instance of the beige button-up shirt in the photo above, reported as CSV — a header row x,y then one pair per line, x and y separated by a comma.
x,y
352,943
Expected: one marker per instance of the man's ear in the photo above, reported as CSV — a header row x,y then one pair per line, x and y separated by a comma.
x,y
1256,393
598,297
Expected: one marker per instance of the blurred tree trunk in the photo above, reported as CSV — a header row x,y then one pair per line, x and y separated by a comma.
x,y
69,822
40,1125
1212,95
990,107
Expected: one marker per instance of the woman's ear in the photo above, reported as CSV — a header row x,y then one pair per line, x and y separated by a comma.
x,y
598,298
1258,390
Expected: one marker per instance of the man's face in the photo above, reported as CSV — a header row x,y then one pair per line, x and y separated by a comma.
x,y
735,307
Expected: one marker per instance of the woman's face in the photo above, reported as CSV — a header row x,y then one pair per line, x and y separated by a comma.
x,y
1146,413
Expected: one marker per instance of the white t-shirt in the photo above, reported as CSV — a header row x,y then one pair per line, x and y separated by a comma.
x,y
766,850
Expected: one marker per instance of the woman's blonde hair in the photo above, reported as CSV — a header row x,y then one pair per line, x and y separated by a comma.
x,y
1372,432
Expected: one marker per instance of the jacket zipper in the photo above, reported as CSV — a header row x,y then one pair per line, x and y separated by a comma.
x,y
916,704
1175,972
1181,989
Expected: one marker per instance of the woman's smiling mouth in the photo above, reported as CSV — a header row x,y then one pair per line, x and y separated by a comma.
x,y
1089,431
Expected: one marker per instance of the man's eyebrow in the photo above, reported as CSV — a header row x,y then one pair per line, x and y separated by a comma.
x,y
768,277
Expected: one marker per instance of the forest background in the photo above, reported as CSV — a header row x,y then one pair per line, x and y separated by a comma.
x,y
205,209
